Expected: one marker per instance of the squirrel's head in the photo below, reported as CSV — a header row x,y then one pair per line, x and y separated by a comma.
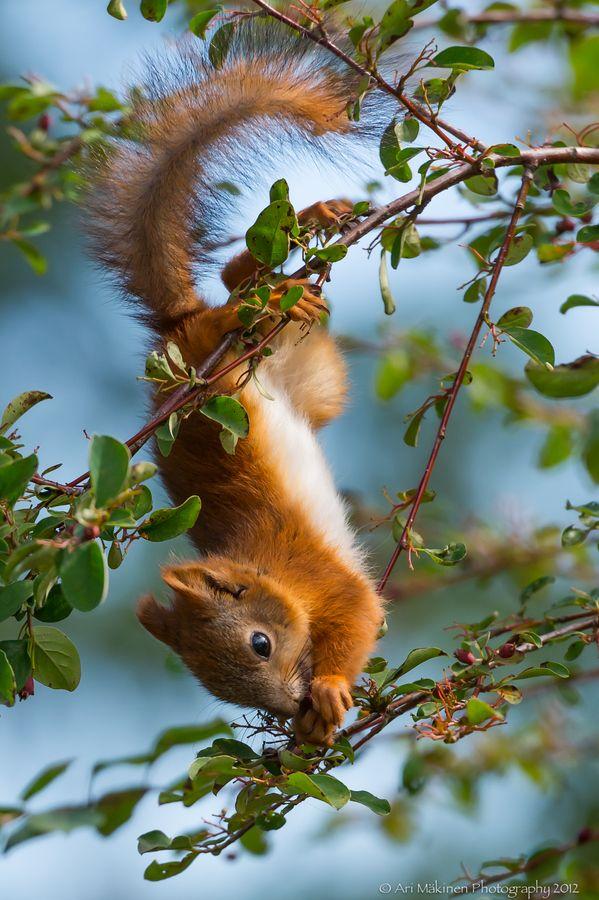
x,y
238,631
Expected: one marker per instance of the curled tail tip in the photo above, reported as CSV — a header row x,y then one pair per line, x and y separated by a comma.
x,y
153,210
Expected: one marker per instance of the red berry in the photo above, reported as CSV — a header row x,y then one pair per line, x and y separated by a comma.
x,y
585,835
565,225
28,689
465,656
44,122
507,650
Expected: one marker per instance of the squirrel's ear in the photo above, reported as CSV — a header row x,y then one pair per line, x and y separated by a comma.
x,y
157,619
197,581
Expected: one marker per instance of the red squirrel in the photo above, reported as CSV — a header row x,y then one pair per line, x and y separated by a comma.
x,y
278,606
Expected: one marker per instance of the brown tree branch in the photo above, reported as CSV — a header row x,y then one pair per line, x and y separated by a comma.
x,y
515,17
413,199
404,541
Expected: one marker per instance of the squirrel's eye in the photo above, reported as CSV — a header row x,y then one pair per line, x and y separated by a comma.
x,y
260,644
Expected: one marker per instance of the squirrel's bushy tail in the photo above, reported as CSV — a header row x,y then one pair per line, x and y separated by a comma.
x,y
154,206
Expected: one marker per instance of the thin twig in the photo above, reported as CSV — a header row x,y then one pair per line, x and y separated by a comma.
x,y
515,17
404,541
438,126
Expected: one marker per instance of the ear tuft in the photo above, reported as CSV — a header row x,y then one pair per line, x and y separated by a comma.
x,y
157,619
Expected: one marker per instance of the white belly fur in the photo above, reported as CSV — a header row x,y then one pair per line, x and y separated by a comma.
x,y
299,461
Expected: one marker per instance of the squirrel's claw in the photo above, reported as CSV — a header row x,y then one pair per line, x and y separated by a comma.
x,y
331,697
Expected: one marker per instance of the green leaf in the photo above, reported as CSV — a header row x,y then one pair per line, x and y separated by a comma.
x,y
574,650
188,734
549,253
290,297
220,43
322,787
108,467
254,841
450,555
15,476
394,371
537,585
167,433
116,808
200,22
395,23
484,185
332,253
519,249
463,59
13,596
505,149
557,446
575,300
8,686
293,762
518,315
533,344
279,190
36,260
45,777
415,658
477,711
566,380
104,101
588,234
376,804
229,413
17,655
388,301
117,10
158,871
153,840
552,669
590,452
19,406
168,523
407,130
270,821
84,576
153,10
56,661
65,819
413,430
476,291
562,202
572,536
528,32
55,608
268,238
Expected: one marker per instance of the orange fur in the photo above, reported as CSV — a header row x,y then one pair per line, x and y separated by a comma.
x,y
269,562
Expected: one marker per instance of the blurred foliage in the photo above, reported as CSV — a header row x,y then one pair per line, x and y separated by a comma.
x,y
59,540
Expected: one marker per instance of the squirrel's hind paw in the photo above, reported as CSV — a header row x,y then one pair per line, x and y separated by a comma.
x,y
308,308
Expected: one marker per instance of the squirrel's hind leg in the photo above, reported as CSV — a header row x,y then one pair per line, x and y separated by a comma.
x,y
311,370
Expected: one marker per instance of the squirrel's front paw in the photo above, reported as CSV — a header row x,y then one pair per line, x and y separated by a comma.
x,y
331,697
311,728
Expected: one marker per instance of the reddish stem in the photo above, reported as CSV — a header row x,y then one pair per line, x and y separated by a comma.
x,y
403,542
